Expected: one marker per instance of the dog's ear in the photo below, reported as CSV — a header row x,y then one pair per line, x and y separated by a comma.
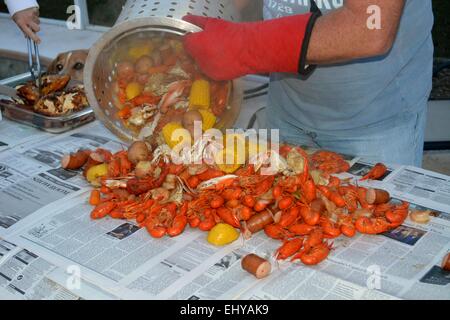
x,y
52,68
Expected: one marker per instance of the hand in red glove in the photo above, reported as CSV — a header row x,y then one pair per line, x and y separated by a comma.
x,y
226,50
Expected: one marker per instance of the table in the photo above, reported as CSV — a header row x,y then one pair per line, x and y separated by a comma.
x,y
51,249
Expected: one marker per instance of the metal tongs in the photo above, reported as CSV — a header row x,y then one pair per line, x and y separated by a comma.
x,y
34,63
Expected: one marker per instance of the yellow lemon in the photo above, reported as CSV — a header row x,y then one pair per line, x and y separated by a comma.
x,y
133,90
94,174
222,234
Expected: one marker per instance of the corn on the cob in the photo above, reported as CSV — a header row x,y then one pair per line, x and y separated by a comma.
x,y
209,119
183,135
200,97
256,148
227,161
137,52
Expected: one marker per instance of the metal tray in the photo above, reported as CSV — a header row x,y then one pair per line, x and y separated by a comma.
x,y
18,113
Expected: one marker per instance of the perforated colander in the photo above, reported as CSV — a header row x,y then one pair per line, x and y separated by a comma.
x,y
138,20
134,9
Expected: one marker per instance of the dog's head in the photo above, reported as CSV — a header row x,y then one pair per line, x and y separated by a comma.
x,y
70,63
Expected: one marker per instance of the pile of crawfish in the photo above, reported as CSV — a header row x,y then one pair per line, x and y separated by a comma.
x,y
301,204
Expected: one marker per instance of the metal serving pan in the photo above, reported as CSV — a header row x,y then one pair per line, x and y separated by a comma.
x,y
18,113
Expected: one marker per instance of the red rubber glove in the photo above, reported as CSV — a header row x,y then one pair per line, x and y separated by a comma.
x,y
226,50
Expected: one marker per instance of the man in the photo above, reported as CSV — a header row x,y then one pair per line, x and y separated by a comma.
x,y
25,14
368,95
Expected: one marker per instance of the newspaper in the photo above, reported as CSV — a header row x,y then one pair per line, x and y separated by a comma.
x,y
115,254
13,134
421,187
370,267
23,276
126,262
31,176
415,185
115,259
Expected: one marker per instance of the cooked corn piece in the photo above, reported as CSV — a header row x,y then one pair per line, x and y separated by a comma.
x,y
168,134
209,119
200,97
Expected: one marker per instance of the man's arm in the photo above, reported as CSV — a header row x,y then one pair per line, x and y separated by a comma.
x,y
344,34
25,14
291,44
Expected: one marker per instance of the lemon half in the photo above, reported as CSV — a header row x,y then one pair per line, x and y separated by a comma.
x,y
222,234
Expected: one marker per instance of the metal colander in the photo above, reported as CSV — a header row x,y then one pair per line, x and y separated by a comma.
x,y
141,19
176,9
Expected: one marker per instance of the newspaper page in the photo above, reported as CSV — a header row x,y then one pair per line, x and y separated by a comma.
x,y
110,253
403,263
411,184
223,277
298,282
120,260
23,276
393,262
196,271
127,262
421,186
31,176
124,260
12,134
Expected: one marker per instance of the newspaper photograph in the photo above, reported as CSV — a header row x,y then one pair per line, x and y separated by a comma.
x,y
361,168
